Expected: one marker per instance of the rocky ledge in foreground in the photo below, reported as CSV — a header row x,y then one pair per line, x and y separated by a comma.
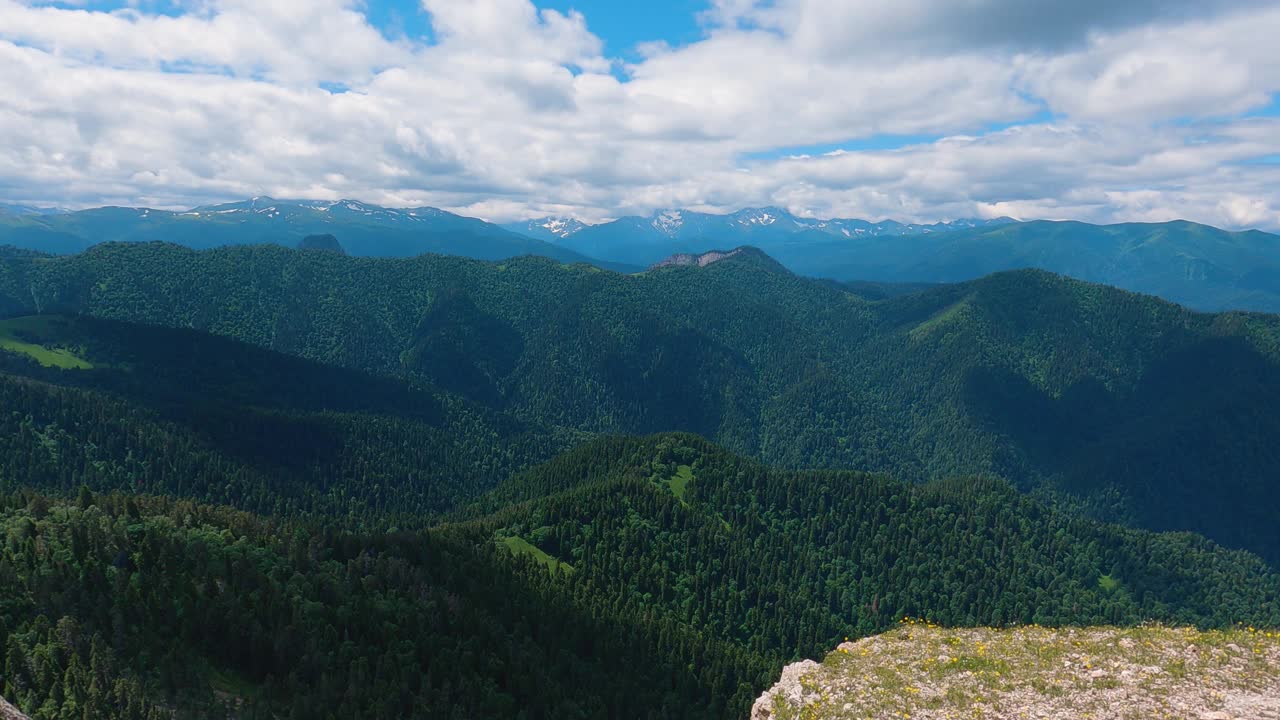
x,y
9,712
923,672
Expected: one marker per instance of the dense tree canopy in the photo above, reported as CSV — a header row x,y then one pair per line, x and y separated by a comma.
x,y
1125,405
319,486
654,577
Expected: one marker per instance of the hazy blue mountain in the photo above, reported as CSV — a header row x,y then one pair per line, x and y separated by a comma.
x,y
551,229
1195,265
19,209
362,228
646,240
1199,266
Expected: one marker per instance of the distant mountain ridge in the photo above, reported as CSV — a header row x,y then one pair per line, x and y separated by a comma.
x,y
362,228
551,229
1202,267
680,223
644,240
1198,266
19,209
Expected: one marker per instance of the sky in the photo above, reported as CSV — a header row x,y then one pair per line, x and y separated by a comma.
x,y
915,110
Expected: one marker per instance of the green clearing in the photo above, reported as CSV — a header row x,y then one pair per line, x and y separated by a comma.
x,y
519,546
37,337
678,484
940,318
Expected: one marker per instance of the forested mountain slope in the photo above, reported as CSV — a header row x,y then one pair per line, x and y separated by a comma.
x,y
1136,409
136,608
148,409
630,577
1025,375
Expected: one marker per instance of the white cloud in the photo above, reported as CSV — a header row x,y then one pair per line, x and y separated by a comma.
x,y
515,111
1204,68
302,41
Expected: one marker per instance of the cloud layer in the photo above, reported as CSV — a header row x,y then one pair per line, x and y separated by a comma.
x,y
1101,111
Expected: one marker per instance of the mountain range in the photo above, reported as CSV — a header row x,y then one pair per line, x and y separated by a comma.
x,y
1196,265
643,240
259,481
1201,267
1077,390
363,229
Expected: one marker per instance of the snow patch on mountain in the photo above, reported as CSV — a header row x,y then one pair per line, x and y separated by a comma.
x,y
668,221
561,227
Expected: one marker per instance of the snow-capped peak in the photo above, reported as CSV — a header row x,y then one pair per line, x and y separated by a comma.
x,y
668,221
761,217
561,227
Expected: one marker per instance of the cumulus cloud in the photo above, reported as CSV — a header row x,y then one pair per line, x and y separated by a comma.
x,y
1137,110
860,27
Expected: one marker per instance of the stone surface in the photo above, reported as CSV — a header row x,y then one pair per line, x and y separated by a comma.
x,y
790,690
924,672
9,712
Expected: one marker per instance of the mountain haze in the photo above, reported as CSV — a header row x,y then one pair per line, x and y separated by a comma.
x,y
551,229
362,228
1195,265
645,240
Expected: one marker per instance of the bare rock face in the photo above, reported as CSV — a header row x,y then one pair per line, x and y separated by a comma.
x,y
790,690
701,260
925,672
9,712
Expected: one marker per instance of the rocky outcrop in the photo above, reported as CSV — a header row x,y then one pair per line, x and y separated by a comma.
x,y
794,689
9,712
701,259
925,672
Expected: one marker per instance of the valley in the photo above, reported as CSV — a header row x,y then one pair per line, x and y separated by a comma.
x,y
488,447
677,360
967,379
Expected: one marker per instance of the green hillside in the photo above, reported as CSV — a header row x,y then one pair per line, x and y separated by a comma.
x,y
672,609
41,339
396,550
1129,407
178,412
120,607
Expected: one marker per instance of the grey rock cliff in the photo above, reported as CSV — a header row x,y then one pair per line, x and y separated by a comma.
x,y
9,712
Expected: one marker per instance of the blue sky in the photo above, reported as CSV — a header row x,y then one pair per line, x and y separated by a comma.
x,y
920,111
623,25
